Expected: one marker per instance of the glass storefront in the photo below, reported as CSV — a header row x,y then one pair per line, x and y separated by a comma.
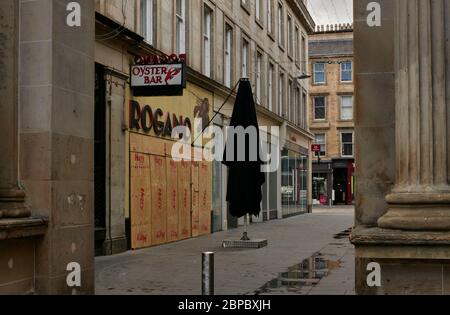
x,y
294,183
320,189
269,202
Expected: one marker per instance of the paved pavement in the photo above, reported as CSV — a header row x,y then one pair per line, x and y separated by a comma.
x,y
176,268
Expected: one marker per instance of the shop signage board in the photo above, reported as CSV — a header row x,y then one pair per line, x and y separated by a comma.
x,y
158,76
316,148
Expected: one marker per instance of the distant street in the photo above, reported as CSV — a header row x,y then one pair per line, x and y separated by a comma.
x,y
175,268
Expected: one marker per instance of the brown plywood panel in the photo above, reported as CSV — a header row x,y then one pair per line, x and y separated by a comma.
x,y
184,199
172,201
158,183
154,146
195,199
140,201
136,142
205,202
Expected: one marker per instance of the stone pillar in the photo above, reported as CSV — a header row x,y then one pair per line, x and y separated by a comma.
x,y
12,197
57,138
420,199
402,131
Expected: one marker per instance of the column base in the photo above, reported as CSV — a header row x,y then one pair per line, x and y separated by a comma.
x,y
12,204
410,263
417,212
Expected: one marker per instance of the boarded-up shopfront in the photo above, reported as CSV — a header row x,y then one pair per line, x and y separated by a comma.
x,y
168,200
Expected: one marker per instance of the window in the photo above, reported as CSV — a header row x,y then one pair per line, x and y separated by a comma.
x,y
298,108
207,45
290,37
321,139
270,86
320,112
280,25
270,16
181,26
259,10
319,73
228,55
246,5
304,110
297,45
147,20
281,95
303,56
346,72
244,57
290,102
347,144
258,77
347,107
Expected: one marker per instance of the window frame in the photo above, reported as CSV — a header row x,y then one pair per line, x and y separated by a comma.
x,y
324,73
270,85
259,60
228,26
145,26
208,68
323,146
324,107
341,107
281,26
181,34
342,72
245,40
342,133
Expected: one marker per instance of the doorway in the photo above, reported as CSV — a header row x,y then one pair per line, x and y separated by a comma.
x,y
100,160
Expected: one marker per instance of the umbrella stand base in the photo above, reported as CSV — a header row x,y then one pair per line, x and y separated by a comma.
x,y
245,237
255,243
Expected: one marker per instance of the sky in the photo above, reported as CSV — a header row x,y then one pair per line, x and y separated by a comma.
x,y
331,11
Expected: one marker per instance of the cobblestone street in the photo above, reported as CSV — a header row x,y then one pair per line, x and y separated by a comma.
x,y
176,268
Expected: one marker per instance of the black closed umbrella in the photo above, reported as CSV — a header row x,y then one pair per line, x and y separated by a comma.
x,y
245,178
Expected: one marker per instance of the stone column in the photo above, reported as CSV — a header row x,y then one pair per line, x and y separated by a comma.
x,y
12,197
420,199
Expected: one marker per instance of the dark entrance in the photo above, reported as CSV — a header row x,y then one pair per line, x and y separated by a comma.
x,y
340,186
100,160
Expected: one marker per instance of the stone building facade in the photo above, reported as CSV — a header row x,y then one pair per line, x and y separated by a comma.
x,y
47,144
331,113
223,41
402,131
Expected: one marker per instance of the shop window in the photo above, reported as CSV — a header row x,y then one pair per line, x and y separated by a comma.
x,y
294,183
347,144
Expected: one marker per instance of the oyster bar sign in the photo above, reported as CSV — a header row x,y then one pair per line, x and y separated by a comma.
x,y
158,76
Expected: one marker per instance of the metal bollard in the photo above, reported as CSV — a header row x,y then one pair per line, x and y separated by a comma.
x,y
208,273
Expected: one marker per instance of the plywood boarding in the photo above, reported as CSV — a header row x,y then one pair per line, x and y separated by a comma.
x,y
195,199
205,175
158,183
184,199
147,144
172,201
140,201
